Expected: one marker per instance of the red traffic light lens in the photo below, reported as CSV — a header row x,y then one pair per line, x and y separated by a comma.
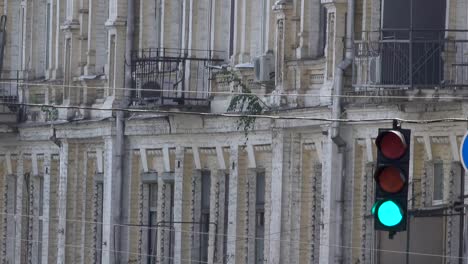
x,y
392,144
390,179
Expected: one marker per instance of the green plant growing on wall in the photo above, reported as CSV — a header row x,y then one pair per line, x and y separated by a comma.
x,y
244,102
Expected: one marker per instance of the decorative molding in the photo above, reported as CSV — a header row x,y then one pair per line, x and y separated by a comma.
x,y
262,148
252,164
144,160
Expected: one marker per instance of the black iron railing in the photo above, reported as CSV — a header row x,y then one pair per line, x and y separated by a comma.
x,y
10,85
411,58
173,76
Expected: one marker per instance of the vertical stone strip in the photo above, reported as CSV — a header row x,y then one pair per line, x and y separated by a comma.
x,y
232,203
178,204
330,208
5,212
295,188
315,219
250,224
220,230
142,242
163,226
367,230
34,222
453,220
19,208
111,200
145,231
84,184
62,203
427,183
214,214
45,208
276,196
10,219
195,215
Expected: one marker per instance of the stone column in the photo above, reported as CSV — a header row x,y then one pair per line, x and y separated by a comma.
x,y
295,195
217,179
111,199
149,24
46,208
232,203
58,39
178,204
19,208
34,211
284,36
220,237
336,32
62,202
309,34
331,215
241,34
195,215
165,184
250,225
171,30
280,215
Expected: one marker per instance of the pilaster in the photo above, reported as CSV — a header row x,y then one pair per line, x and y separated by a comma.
x,y
331,214
19,208
62,202
233,204
178,204
111,199
284,36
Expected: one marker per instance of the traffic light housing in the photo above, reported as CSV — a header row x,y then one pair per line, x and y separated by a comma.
x,y
391,179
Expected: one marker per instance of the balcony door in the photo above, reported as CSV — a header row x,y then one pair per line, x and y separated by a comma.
x,y
413,41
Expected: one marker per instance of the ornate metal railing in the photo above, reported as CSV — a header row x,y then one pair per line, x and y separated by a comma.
x,y
397,58
10,85
173,76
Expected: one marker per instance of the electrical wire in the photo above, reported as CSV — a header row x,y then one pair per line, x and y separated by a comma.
x,y
412,97
239,115
310,244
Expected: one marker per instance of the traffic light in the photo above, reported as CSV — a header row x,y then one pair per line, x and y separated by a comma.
x,y
391,178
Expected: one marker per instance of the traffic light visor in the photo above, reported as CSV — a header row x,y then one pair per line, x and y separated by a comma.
x,y
390,179
389,213
392,144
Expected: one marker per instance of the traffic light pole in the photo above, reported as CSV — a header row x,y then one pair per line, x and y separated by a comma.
x,y
408,238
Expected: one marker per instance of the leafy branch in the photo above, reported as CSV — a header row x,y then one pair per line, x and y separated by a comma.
x,y
244,102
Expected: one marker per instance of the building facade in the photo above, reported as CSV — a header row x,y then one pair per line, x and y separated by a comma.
x,y
117,146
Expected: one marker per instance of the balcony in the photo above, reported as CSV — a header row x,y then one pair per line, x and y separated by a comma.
x,y
173,77
411,59
10,83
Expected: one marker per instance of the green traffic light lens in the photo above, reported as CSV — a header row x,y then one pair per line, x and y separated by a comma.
x,y
389,214
374,207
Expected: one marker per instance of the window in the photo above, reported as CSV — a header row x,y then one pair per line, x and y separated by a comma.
x,y
205,215
419,62
232,28
48,37
260,218
323,31
438,182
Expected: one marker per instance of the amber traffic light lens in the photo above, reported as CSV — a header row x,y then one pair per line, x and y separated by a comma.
x,y
392,144
390,179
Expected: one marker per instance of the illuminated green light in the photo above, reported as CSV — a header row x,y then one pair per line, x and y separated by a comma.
x,y
374,207
389,214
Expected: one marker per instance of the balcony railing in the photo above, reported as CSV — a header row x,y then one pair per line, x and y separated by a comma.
x,y
173,76
10,84
396,58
